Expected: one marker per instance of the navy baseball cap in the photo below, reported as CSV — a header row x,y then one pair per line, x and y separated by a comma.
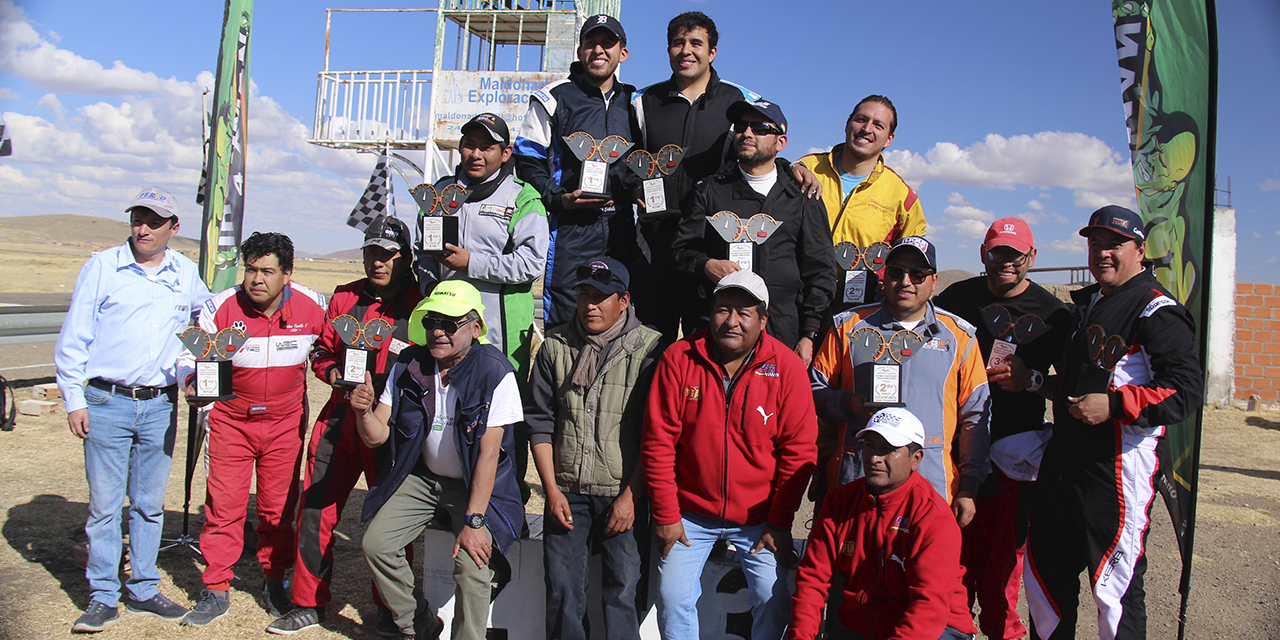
x,y
492,124
770,111
915,243
603,21
606,275
1118,219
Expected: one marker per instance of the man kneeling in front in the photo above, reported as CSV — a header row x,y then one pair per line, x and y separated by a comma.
x,y
442,430
895,543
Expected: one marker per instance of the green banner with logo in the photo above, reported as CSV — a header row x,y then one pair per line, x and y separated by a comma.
x,y
1168,73
222,191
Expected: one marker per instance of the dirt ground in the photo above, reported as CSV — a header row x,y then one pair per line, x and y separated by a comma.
x,y
43,505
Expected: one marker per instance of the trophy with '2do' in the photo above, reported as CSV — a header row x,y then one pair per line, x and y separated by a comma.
x,y
213,361
596,159
437,217
857,262
883,358
652,170
361,341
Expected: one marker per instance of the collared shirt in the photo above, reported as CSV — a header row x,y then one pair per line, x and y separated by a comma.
x,y
123,322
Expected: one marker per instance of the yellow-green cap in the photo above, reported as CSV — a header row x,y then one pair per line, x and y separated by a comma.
x,y
453,298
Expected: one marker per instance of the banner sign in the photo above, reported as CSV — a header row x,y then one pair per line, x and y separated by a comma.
x,y
457,96
223,194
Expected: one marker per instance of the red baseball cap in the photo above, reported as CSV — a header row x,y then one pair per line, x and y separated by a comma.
x,y
1010,232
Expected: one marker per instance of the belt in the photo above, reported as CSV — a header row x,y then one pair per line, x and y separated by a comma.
x,y
136,393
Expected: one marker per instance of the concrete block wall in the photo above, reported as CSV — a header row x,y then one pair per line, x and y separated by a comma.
x,y
1257,353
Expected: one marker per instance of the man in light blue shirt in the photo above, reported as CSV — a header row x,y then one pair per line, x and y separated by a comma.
x,y
117,358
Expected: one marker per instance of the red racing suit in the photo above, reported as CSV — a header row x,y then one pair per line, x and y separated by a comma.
x,y
261,429
336,456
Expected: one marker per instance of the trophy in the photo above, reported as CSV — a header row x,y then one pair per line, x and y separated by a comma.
x,y
646,165
1102,352
885,358
742,236
437,224
596,159
213,374
857,262
1009,333
361,341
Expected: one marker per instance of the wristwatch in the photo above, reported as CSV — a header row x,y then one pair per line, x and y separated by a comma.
x,y
812,335
1037,379
476,520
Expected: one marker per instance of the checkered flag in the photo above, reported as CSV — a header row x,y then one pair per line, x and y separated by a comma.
x,y
6,147
377,201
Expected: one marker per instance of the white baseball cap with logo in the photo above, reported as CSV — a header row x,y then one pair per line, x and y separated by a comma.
x,y
158,200
897,426
747,281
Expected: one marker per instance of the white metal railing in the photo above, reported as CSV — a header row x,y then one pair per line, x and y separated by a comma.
x,y
372,106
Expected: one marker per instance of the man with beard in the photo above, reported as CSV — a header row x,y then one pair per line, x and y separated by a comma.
x,y
1110,408
941,378
591,100
795,260
1018,359
688,110
336,456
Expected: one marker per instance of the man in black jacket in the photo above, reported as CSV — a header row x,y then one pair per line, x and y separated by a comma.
x,y
592,100
793,256
688,110
1130,369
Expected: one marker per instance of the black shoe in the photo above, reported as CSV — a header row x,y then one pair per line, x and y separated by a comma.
x,y
157,606
296,620
430,629
385,624
213,605
96,618
275,598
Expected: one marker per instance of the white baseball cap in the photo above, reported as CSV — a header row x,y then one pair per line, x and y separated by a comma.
x,y
158,200
747,281
897,426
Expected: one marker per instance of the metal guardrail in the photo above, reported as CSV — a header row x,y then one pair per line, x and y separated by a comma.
x,y
23,324
372,109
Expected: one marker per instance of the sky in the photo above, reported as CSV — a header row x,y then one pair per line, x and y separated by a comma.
x,y
1005,108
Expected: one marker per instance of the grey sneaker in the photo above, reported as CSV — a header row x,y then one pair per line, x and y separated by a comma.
x,y
96,618
157,606
275,598
296,620
213,605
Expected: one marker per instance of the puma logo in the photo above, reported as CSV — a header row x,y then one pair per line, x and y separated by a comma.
x,y
764,415
895,558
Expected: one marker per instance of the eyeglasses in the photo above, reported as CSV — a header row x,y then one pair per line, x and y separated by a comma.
x,y
449,327
600,274
758,128
1007,257
894,273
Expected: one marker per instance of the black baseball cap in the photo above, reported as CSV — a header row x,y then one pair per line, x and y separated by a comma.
x,y
389,233
603,21
915,243
771,111
606,275
1118,219
492,124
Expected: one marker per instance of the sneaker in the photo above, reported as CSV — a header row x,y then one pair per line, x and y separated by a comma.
x,y
296,620
96,618
276,600
213,605
157,606
385,624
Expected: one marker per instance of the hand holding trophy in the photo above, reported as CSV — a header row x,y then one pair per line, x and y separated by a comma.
x,y
213,374
361,343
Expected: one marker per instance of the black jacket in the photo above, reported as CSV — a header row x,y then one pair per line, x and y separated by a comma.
x,y
796,263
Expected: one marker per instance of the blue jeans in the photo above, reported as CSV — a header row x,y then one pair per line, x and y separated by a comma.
x,y
565,557
680,579
129,448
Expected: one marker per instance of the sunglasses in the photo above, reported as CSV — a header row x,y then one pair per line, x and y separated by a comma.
x,y
1007,257
449,327
894,273
154,223
758,128
600,274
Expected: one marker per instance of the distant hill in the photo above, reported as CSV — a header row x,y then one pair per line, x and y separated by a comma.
x,y
90,231
355,255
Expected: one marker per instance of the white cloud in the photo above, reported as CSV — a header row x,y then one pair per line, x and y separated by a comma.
x,y
8,94
819,150
1259,235
1270,185
1073,244
1035,204
963,220
1074,161
956,198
